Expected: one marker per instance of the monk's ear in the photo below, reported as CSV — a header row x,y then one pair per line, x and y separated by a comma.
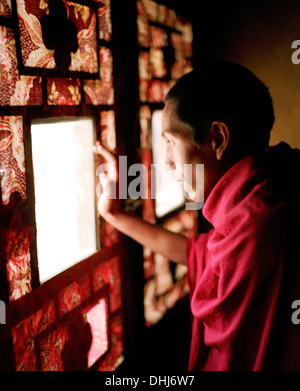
x,y
220,135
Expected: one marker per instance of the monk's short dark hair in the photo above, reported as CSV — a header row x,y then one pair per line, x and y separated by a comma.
x,y
227,92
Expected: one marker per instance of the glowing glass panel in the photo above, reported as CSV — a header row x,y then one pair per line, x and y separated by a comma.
x,y
64,182
168,194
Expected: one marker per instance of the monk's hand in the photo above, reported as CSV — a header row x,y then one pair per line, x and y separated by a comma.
x,y
106,190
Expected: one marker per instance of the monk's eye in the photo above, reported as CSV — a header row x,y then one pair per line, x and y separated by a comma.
x,y
170,142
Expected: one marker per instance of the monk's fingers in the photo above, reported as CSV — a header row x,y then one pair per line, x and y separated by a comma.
x,y
102,185
98,149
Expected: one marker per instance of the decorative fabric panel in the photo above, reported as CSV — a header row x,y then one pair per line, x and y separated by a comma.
x,y
16,90
88,328
73,321
71,328
165,51
85,59
104,20
52,32
63,92
101,92
33,50
12,163
17,240
5,8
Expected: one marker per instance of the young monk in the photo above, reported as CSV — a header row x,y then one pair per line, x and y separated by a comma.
x,y
244,275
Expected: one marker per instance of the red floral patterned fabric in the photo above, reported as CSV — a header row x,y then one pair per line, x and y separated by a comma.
x,y
33,50
15,90
73,322
159,28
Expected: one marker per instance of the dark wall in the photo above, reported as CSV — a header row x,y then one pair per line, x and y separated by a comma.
x,y
258,35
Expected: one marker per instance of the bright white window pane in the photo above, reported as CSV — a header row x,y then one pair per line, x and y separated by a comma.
x,y
168,194
64,181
